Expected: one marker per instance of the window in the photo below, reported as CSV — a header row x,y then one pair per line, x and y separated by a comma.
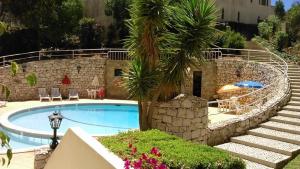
x,y
223,13
263,2
238,17
118,72
258,19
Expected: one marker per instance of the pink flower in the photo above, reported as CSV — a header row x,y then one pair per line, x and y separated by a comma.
x,y
153,161
144,156
137,164
162,166
133,150
127,164
154,151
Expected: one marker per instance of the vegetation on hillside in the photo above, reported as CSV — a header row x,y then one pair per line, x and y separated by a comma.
x,y
175,152
279,38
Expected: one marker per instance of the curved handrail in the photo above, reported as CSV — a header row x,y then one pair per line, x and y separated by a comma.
x,y
275,62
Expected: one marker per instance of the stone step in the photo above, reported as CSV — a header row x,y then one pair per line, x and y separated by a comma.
x,y
286,120
294,129
295,98
291,107
267,158
267,144
253,165
295,86
287,113
293,66
294,80
295,83
295,95
294,103
293,77
276,135
293,74
294,69
295,91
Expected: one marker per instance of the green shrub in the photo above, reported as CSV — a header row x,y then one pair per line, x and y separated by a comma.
x,y
293,164
265,30
231,39
281,40
176,152
90,34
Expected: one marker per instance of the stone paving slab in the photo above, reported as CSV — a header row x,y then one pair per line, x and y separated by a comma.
x,y
267,144
295,98
294,103
21,161
277,135
292,108
287,113
253,165
268,158
295,129
286,120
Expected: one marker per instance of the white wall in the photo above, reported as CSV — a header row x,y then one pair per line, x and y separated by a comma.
x,y
249,11
78,150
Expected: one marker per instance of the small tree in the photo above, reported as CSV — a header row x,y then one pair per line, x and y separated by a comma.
x,y
293,20
279,9
265,30
90,34
281,40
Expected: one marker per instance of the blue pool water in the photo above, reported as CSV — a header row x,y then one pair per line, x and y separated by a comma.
x,y
95,119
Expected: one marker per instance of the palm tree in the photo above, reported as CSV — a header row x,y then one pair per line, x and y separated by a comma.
x,y
166,38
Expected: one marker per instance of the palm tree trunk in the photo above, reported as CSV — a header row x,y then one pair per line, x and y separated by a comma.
x,y
143,116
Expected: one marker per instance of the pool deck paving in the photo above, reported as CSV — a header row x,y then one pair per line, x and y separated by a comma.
x,y
26,160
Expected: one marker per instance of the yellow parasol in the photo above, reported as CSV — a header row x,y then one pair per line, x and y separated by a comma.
x,y
229,88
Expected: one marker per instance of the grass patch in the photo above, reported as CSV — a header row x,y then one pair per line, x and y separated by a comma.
x,y
176,152
295,164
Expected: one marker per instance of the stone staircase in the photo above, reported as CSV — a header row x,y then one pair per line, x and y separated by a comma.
x,y
276,141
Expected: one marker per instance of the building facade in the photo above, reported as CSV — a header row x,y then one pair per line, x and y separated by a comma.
x,y
244,11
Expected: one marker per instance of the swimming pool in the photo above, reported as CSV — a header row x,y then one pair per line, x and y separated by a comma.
x,y
95,119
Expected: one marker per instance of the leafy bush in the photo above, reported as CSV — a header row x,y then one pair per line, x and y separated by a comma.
x,y
177,153
231,39
294,164
90,34
281,40
265,30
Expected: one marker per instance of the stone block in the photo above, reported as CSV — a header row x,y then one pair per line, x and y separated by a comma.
x,y
167,119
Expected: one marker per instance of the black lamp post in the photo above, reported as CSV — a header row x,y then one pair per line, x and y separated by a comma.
x,y
55,121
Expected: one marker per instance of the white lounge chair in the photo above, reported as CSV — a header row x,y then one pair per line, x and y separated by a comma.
x,y
43,94
2,103
55,94
73,94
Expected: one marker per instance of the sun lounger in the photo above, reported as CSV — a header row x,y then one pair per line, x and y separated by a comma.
x,y
55,94
73,94
43,94
2,103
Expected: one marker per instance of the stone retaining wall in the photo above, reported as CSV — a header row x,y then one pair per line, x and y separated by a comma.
x,y
221,132
41,157
50,73
184,116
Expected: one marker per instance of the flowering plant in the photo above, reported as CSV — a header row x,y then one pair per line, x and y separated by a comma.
x,y
145,161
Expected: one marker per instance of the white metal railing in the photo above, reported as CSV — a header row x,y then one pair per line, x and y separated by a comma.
x,y
256,98
54,54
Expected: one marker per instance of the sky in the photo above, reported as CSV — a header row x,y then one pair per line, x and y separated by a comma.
x,y
287,3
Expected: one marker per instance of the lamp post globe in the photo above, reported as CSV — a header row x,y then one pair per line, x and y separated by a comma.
x,y
55,121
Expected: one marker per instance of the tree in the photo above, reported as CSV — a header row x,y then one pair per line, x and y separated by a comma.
x,y
279,9
90,34
2,28
293,20
164,46
118,9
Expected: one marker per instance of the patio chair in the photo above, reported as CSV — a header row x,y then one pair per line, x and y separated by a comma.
x,y
73,94
2,103
223,106
43,94
55,94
